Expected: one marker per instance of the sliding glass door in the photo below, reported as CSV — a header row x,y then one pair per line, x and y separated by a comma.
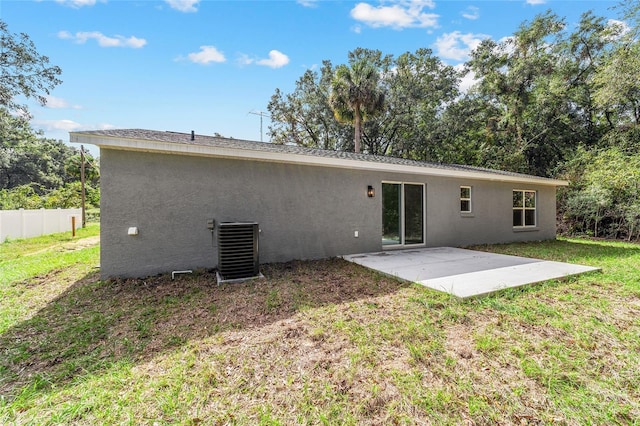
x,y
402,213
391,217
413,214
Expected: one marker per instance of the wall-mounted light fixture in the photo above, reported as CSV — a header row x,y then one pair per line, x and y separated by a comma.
x,y
370,192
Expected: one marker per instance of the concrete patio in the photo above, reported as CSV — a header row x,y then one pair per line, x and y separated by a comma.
x,y
465,273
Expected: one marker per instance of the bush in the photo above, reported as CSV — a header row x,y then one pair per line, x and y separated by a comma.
x,y
603,199
20,197
93,215
67,196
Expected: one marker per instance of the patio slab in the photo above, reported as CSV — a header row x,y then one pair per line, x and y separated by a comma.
x,y
465,273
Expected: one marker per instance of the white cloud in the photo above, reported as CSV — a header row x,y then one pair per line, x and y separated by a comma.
x,y
206,55
456,45
56,103
104,126
468,80
244,59
507,45
65,35
187,6
77,3
616,29
471,13
53,125
402,14
59,103
308,3
103,40
59,129
276,60
535,2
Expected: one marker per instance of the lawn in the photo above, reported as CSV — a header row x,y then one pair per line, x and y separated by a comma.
x,y
317,342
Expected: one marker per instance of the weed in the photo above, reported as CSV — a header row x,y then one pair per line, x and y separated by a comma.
x,y
487,343
273,300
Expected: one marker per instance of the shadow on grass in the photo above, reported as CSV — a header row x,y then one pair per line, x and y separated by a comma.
x,y
94,325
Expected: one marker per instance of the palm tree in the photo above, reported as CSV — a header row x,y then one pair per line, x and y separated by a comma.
x,y
355,95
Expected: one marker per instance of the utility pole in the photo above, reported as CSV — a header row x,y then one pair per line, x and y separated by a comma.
x,y
261,114
84,217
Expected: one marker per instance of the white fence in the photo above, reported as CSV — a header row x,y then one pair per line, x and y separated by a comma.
x,y
32,223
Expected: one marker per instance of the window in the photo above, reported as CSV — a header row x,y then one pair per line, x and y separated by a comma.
x,y
465,199
524,208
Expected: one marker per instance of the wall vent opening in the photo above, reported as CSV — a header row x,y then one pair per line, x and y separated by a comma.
x,y
238,251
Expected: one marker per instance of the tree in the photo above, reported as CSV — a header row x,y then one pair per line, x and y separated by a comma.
x,y
416,86
23,71
541,94
304,117
73,165
31,167
40,161
604,197
631,13
617,88
356,95
526,79
583,53
419,89
26,158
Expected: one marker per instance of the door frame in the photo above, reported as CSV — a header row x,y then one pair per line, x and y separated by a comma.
x,y
402,214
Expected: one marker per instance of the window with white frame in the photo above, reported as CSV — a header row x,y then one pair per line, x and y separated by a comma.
x,y
524,208
465,199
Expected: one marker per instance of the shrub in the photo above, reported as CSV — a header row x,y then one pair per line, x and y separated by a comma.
x,y
603,199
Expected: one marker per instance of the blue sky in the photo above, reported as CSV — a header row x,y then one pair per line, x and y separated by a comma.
x,y
185,65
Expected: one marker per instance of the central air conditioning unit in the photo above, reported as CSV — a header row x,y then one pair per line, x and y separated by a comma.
x,y
237,251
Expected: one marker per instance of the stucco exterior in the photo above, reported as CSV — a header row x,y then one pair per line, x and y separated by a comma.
x,y
303,211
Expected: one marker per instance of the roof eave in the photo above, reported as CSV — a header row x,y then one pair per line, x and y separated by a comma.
x,y
131,144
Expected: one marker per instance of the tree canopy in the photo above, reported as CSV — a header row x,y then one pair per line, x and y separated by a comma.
x,y
539,95
23,71
356,95
415,86
35,171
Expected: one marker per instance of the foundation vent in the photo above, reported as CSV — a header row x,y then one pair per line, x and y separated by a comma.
x,y
238,250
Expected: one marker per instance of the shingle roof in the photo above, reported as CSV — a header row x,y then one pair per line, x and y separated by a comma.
x,y
221,142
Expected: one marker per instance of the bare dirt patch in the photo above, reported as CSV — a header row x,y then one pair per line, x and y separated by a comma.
x,y
78,244
145,317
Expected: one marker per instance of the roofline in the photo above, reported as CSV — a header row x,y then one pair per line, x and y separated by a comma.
x,y
144,145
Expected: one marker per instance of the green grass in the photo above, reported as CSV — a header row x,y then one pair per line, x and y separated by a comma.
x,y
322,342
25,265
16,248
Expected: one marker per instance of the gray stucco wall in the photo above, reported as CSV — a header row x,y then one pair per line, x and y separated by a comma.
x,y
304,212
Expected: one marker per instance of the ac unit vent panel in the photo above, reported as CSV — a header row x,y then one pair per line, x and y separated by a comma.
x,y
238,250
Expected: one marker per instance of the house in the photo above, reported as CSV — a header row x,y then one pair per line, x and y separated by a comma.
x,y
165,195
